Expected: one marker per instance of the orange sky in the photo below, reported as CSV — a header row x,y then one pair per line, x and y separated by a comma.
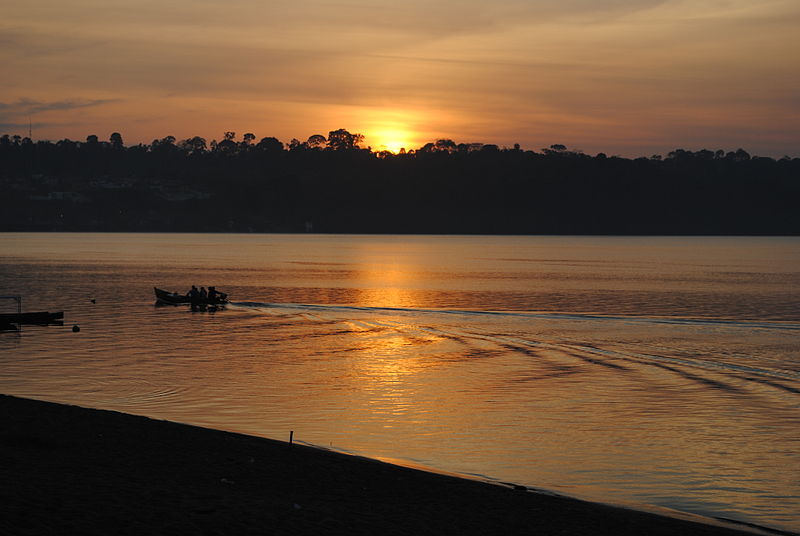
x,y
628,77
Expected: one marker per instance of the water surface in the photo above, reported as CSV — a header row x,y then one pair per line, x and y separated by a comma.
x,y
654,371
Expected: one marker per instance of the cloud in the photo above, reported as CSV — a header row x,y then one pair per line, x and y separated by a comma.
x,y
14,127
26,106
11,113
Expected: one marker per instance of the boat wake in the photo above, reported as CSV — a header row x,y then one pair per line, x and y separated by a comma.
x,y
561,339
301,307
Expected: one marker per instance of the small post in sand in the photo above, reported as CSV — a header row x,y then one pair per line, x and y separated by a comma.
x,y
291,437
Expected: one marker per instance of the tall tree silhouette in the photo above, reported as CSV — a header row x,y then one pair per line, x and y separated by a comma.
x,y
116,140
342,140
316,141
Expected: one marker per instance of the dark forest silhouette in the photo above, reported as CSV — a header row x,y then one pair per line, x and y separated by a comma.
x,y
330,184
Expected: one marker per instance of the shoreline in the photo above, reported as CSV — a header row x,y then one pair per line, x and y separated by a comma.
x,y
68,469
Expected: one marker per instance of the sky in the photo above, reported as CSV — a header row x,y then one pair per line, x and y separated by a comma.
x,y
624,77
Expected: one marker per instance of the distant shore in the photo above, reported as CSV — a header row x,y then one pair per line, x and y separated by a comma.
x,y
67,469
263,188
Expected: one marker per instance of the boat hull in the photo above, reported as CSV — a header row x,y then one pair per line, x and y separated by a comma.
x,y
42,317
172,298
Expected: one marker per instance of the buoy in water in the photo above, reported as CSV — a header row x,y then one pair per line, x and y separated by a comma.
x,y
75,328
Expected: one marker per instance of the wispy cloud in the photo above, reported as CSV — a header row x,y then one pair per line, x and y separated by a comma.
x,y
11,128
26,106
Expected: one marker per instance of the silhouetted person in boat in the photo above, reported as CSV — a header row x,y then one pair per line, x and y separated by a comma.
x,y
213,295
203,294
194,295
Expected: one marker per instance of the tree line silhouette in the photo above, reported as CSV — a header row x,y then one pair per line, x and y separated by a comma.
x,y
331,184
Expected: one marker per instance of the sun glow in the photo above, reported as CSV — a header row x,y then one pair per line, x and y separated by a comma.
x,y
391,140
388,129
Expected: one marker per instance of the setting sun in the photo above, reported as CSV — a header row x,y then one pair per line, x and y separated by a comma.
x,y
388,129
391,140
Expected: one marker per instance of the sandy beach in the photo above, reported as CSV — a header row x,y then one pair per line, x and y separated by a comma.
x,y
71,470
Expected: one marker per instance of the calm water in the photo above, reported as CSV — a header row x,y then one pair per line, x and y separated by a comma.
x,y
651,371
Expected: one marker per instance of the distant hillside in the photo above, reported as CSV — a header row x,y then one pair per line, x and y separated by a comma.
x,y
331,185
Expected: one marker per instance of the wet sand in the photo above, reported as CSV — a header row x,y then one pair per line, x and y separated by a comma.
x,y
71,470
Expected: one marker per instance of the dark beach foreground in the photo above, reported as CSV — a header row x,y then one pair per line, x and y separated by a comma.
x,y
70,470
